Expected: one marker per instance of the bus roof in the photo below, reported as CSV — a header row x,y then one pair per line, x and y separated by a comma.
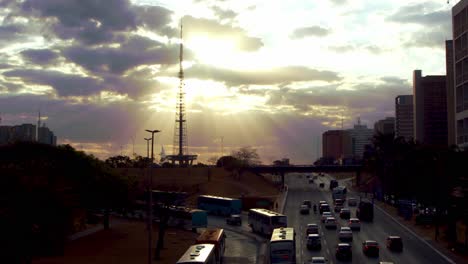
x,y
196,253
218,197
282,234
265,212
210,235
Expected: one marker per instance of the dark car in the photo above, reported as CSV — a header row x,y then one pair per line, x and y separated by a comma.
x,y
324,208
394,243
234,220
304,209
343,251
322,185
345,213
370,248
307,202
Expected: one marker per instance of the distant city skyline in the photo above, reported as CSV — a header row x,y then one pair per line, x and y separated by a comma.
x,y
271,75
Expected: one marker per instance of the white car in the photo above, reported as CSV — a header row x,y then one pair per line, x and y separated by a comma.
x,y
330,222
345,234
318,260
354,224
325,215
312,229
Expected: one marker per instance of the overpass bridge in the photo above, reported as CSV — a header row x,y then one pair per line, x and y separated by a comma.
x,y
283,170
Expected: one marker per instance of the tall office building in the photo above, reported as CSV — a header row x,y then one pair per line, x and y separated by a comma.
x,y
24,132
460,59
46,136
404,117
356,139
385,126
332,144
5,134
449,84
430,108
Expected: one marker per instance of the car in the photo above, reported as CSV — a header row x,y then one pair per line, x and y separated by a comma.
x,y
307,202
234,220
318,260
345,213
330,223
394,243
308,176
314,242
324,208
338,201
315,177
338,208
304,209
345,234
370,248
352,201
354,224
322,202
311,181
322,185
343,251
312,229
325,215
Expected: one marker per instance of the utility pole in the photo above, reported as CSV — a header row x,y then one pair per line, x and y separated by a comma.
x,y
150,203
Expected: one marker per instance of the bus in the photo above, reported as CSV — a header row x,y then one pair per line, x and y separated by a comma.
x,y
365,211
339,192
187,218
199,254
219,205
264,221
283,246
216,237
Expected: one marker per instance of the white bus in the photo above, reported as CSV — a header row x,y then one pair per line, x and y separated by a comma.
x,y
216,237
283,246
201,253
264,221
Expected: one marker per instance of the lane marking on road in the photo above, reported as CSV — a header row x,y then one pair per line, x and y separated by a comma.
x,y
417,236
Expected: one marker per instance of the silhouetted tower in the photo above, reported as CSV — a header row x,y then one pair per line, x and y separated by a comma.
x,y
180,150
180,129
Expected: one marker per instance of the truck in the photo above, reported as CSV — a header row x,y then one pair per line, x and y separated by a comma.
x,y
339,192
365,211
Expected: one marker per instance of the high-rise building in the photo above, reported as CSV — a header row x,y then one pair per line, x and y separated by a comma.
x,y
460,60
430,108
404,117
385,126
5,134
24,132
356,139
46,136
449,84
332,144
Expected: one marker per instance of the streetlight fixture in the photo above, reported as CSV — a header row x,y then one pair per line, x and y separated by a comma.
x,y
150,203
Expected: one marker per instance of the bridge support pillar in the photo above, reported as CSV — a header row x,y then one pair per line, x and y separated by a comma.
x,y
282,179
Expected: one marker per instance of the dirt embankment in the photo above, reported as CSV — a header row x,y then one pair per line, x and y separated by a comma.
x,y
196,181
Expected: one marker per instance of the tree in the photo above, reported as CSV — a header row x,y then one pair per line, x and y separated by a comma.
x,y
213,160
119,161
228,162
41,184
247,156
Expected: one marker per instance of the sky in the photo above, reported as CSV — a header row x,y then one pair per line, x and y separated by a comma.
x,y
270,74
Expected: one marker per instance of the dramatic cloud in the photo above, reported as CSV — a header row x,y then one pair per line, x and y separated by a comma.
x,y
88,21
281,75
224,14
155,18
40,56
422,14
435,24
315,31
64,84
11,33
134,52
206,27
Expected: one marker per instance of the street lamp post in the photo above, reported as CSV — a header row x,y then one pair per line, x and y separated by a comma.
x,y
147,147
150,203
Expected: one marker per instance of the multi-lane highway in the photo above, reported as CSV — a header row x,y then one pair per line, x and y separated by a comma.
x,y
415,251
